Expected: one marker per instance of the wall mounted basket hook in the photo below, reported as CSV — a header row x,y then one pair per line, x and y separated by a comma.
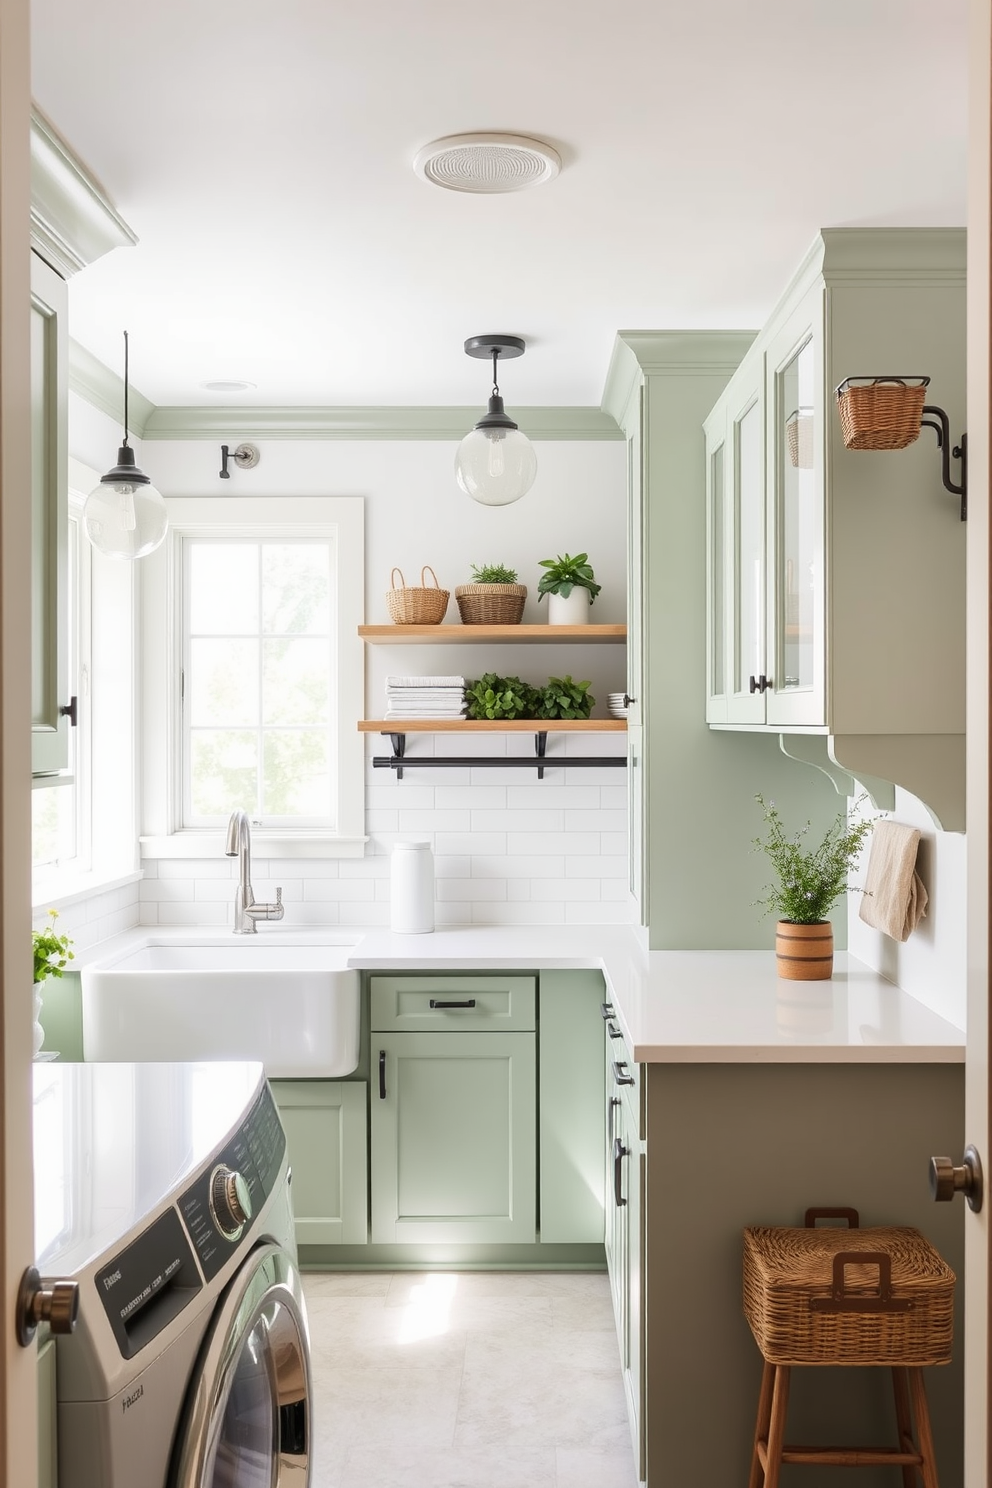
x,y
887,412
245,456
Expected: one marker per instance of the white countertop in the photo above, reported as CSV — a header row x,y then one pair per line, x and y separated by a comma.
x,y
682,1007
690,1007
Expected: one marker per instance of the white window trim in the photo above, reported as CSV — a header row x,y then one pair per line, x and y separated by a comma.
x,y
163,835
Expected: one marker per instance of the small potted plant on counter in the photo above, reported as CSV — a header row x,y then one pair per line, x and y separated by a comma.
x,y
493,598
570,586
810,880
52,954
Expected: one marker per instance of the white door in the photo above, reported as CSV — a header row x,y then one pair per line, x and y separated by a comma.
x,y
978,1326
18,1412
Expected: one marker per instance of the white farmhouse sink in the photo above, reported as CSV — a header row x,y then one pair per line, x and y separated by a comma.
x,y
284,997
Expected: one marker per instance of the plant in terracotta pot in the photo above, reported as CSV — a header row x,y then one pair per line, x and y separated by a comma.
x,y
571,587
493,598
52,954
810,880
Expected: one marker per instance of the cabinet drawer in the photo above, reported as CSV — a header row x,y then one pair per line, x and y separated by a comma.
x,y
459,1004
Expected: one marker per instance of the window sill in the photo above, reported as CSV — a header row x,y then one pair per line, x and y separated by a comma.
x,y
60,893
264,844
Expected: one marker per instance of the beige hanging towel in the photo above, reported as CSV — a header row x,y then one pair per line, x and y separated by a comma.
x,y
894,900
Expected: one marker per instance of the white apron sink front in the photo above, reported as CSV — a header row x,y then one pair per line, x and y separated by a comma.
x,y
284,997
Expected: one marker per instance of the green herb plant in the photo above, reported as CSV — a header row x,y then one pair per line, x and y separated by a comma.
x,y
566,573
563,698
52,952
501,697
493,573
810,879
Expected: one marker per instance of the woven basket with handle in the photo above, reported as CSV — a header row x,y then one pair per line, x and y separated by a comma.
x,y
883,413
882,1295
491,604
423,606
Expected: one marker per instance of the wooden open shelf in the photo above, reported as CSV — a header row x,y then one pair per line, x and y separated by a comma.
x,y
492,726
476,635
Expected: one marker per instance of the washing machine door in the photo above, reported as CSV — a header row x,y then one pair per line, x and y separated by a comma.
x,y
248,1411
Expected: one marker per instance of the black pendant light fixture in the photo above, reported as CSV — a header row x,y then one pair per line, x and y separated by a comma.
x,y
495,463
124,516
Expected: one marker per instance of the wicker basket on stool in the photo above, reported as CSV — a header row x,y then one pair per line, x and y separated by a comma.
x,y
882,1296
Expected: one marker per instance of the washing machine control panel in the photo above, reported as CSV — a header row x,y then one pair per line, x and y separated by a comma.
x,y
220,1206
145,1286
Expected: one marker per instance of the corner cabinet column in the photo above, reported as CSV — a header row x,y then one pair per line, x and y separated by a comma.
x,y
49,520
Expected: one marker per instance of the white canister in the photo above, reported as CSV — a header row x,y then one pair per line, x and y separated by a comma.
x,y
411,889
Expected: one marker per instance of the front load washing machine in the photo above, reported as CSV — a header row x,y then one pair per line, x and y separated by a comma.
x,y
163,1190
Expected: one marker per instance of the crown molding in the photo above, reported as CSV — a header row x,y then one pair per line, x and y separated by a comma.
x,y
104,390
73,221
667,353
368,423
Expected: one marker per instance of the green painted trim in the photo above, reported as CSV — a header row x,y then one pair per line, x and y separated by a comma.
x,y
378,423
104,390
73,221
442,1257
667,353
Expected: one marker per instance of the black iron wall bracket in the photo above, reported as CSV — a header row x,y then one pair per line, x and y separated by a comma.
x,y
942,428
399,760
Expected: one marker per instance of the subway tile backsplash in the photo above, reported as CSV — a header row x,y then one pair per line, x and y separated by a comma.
x,y
508,849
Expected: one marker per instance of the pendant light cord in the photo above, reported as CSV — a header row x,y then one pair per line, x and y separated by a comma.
x,y
125,389
495,383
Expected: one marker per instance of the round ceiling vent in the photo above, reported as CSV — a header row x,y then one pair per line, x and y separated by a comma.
x,y
487,162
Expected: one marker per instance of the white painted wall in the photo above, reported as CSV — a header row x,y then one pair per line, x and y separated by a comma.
x,y
932,963
508,848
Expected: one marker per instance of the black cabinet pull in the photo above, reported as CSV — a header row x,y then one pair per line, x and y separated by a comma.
x,y
382,1074
613,1031
621,1079
619,1153
69,710
607,1010
468,1002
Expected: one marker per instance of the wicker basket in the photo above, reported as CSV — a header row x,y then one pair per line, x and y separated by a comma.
x,y
799,433
491,604
424,606
881,414
834,1296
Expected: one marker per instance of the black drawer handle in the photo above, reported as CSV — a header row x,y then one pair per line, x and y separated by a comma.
x,y
613,1031
469,1002
619,1153
618,1065
607,1011
382,1074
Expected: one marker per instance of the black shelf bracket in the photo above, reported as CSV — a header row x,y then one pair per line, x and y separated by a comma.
x,y
399,760
942,428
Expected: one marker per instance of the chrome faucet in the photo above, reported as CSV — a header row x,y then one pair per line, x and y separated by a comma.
x,y
246,911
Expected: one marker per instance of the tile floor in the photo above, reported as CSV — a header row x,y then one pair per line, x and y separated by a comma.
x,y
466,1380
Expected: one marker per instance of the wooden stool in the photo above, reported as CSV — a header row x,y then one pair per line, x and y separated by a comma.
x,y
813,1296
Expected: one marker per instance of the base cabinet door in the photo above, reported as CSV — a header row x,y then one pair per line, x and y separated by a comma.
x,y
326,1130
626,1170
454,1138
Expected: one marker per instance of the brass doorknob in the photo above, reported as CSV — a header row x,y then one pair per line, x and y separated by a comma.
x,y
946,1180
56,1304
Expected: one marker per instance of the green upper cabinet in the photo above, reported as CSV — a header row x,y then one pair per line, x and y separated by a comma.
x,y
49,520
835,583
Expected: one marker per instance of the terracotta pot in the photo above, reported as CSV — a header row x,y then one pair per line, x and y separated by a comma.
x,y
804,953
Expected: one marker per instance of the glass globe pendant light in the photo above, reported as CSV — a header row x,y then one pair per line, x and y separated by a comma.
x,y
495,463
124,516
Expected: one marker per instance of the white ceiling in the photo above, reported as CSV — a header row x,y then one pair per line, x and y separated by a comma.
x,y
262,149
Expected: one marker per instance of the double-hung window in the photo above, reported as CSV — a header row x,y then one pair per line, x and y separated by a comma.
x,y
252,675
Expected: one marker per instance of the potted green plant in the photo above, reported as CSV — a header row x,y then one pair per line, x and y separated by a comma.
x,y
570,586
493,697
560,697
493,597
52,954
809,881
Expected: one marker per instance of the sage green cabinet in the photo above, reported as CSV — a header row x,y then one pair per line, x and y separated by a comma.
x,y
49,520
625,1180
571,1107
326,1135
48,1453
454,1138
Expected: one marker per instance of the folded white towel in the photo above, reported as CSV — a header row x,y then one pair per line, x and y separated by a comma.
x,y
895,899
425,681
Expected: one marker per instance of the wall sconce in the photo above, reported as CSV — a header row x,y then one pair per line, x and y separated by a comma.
x,y
124,516
887,413
246,457
495,463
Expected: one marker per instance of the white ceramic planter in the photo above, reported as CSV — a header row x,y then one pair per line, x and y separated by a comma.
x,y
570,610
